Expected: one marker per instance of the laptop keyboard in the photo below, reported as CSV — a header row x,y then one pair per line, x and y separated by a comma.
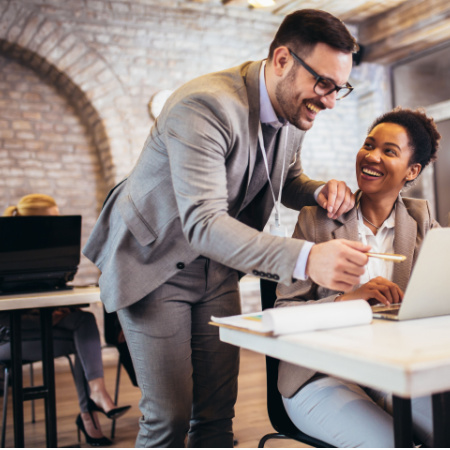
x,y
392,310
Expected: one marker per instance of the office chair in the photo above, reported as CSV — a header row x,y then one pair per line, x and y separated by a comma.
x,y
112,329
275,408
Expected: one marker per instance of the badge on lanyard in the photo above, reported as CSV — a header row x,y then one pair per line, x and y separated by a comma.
x,y
276,229
279,230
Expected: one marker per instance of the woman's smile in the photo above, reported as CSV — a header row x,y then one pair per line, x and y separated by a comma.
x,y
370,172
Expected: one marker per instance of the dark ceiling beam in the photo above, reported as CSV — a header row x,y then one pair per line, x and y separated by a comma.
x,y
410,28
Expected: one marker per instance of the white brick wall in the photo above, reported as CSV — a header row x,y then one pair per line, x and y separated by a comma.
x,y
76,125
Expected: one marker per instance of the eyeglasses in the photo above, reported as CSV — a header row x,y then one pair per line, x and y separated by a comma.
x,y
324,86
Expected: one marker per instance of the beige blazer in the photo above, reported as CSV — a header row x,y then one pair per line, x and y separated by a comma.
x,y
412,221
184,196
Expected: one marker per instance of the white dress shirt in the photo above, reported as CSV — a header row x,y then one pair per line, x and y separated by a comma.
x,y
382,242
268,115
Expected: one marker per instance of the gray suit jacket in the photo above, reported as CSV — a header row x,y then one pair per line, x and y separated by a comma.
x,y
184,196
412,221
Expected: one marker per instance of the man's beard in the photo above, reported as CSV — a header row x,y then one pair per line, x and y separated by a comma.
x,y
291,110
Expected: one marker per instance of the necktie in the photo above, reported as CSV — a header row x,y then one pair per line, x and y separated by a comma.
x,y
269,135
259,176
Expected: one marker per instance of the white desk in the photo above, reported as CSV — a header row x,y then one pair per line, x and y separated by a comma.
x,y
45,302
409,359
70,297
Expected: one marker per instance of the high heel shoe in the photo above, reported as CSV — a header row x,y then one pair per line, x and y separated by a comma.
x,y
112,414
97,442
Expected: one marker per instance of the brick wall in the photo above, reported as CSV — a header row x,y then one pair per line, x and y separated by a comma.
x,y
45,148
77,78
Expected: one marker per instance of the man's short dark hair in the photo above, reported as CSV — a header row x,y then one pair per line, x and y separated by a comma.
x,y
303,29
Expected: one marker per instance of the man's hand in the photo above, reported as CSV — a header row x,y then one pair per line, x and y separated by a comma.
x,y
337,264
379,289
336,197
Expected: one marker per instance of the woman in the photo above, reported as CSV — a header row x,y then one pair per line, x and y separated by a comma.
x,y
399,145
75,331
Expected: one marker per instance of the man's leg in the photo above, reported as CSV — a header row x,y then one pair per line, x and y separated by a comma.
x,y
215,364
158,332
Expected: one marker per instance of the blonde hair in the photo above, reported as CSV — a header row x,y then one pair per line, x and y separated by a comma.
x,y
31,205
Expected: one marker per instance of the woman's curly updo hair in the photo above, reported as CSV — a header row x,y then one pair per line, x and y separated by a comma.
x,y
422,133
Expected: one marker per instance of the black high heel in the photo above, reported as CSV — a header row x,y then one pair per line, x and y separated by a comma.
x,y
97,442
112,414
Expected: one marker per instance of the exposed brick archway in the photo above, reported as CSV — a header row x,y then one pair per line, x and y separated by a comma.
x,y
78,72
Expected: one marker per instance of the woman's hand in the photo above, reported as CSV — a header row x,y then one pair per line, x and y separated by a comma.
x,y
379,289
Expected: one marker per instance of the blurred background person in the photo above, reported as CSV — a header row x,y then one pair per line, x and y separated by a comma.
x,y
74,331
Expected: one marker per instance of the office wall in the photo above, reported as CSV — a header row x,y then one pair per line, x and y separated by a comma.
x,y
46,148
77,77
422,81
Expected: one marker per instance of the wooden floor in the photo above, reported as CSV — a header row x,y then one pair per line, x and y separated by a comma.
x,y
250,424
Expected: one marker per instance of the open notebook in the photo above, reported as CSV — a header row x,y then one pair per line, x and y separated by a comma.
x,y
299,319
428,290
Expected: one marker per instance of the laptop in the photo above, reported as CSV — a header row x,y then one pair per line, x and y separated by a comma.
x,y
38,253
428,290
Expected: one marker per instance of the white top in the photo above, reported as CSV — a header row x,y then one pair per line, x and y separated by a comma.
x,y
382,242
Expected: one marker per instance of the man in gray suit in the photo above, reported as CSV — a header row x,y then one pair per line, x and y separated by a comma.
x,y
174,238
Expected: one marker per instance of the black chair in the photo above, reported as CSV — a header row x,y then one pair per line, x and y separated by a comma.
x,y
275,408
112,330
7,373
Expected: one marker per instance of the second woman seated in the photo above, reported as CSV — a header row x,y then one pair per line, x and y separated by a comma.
x,y
399,145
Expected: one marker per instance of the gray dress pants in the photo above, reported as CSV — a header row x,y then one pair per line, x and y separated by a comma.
x,y
346,415
187,376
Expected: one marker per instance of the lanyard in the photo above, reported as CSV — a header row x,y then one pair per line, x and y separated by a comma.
x,y
263,151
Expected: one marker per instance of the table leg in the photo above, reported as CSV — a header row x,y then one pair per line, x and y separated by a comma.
x,y
17,379
441,420
48,373
403,430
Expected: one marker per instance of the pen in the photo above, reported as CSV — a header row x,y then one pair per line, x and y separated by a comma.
x,y
387,256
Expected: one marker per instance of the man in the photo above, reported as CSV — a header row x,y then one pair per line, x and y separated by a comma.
x,y
176,235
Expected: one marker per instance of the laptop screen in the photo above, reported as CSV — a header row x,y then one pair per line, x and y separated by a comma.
x,y
38,251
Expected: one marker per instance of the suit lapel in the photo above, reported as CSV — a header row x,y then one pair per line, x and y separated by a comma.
x,y
277,168
252,83
406,233
279,160
347,226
